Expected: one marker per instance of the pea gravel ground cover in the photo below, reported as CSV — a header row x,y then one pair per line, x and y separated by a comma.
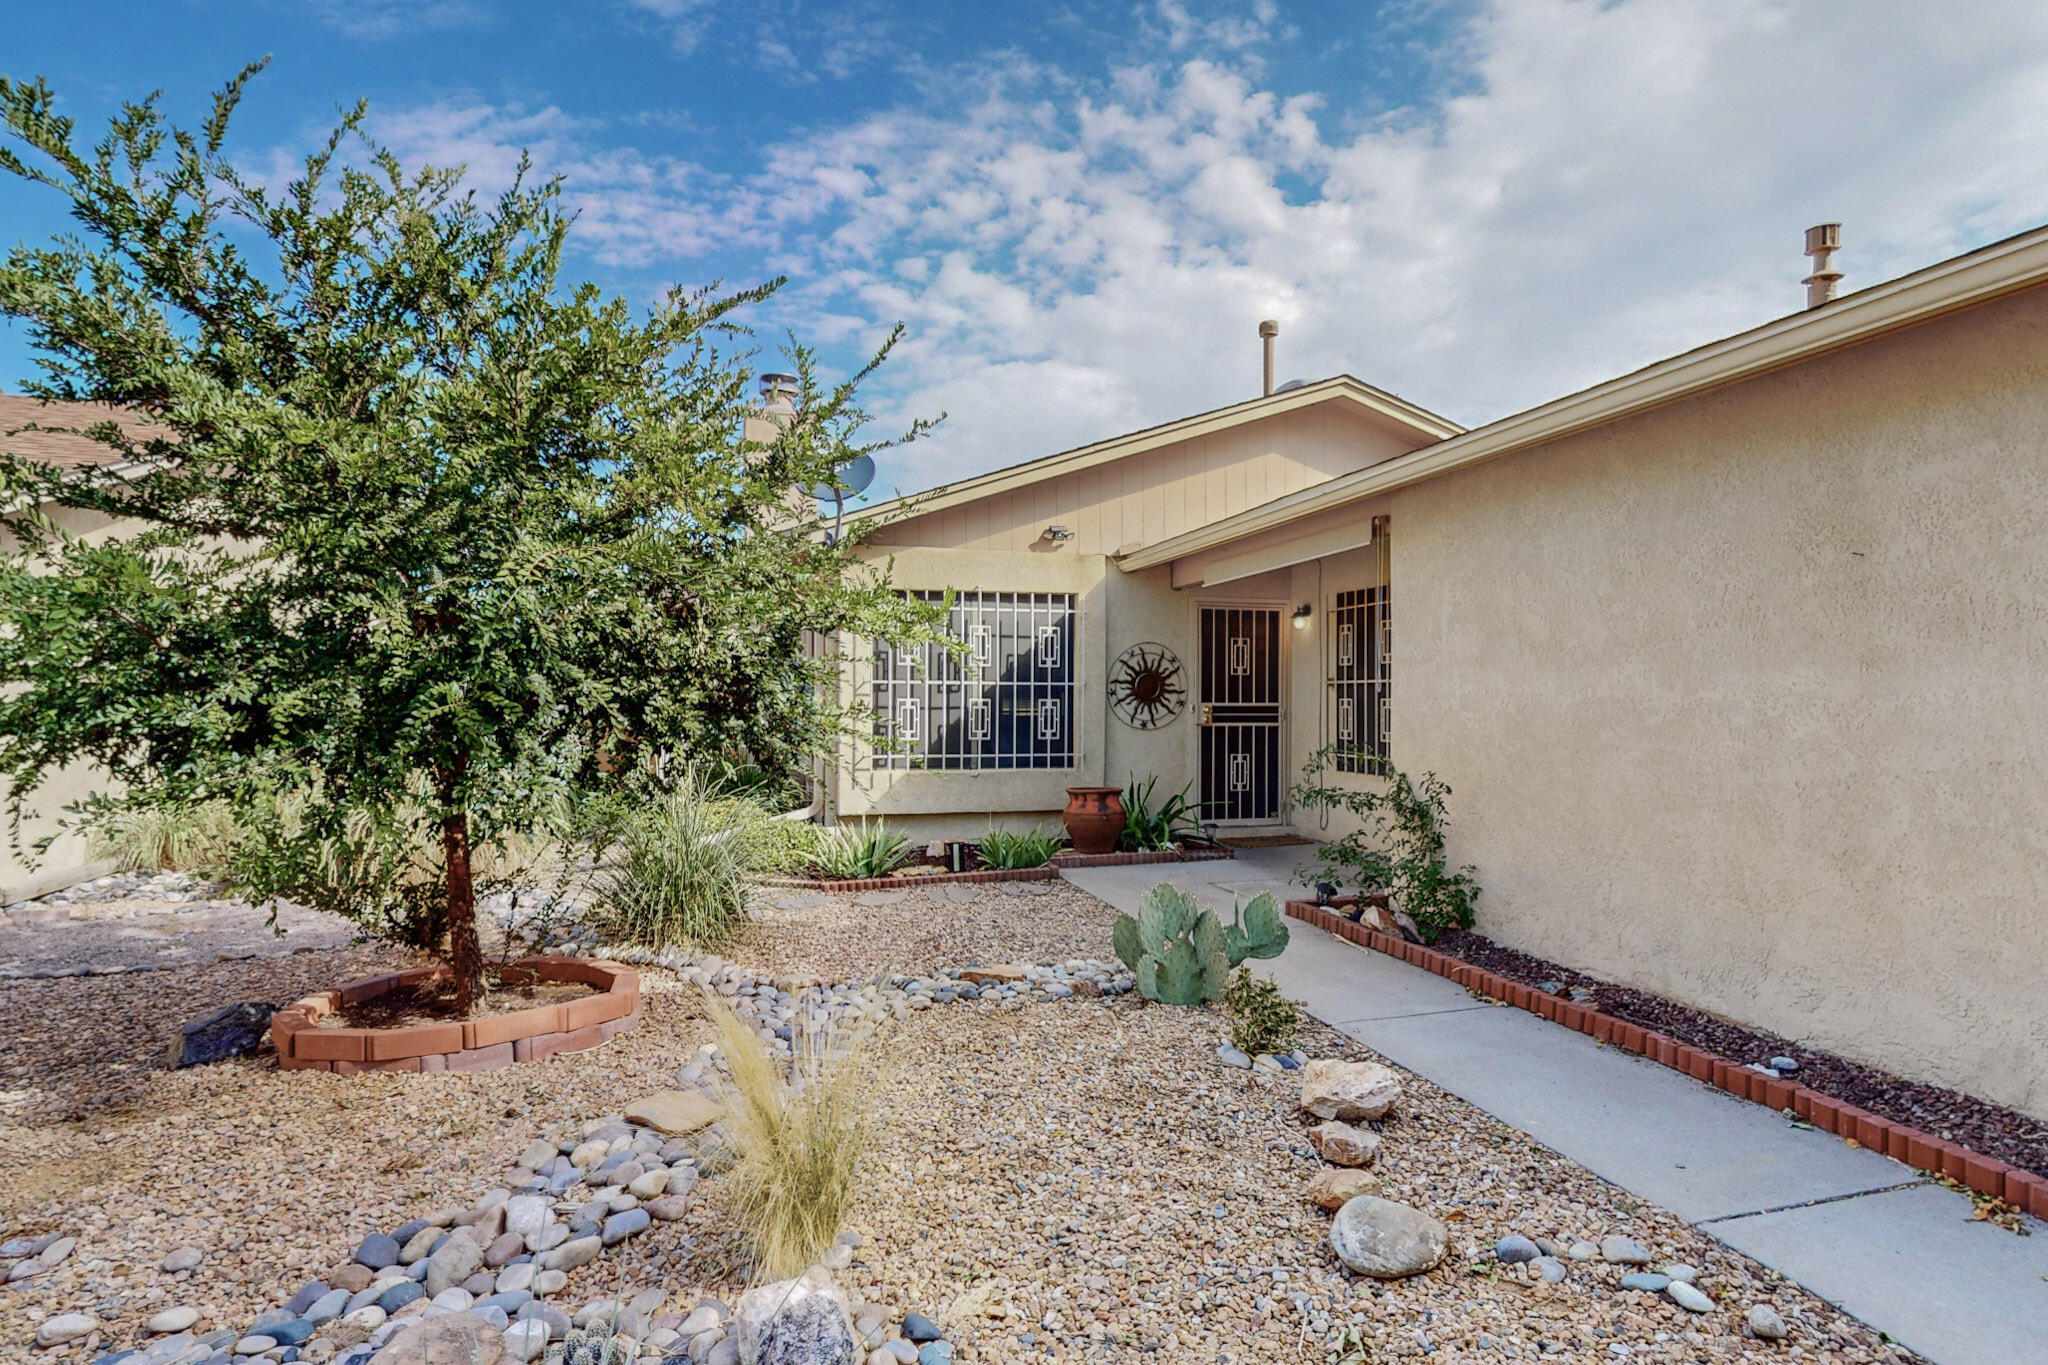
x,y
1080,1181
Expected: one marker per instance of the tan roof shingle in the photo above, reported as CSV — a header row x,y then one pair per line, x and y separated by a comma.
x,y
65,449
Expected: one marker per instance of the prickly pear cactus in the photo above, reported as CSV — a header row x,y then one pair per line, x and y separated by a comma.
x,y
1257,930
1179,952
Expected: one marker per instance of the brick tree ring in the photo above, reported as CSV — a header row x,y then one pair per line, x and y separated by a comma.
x,y
497,1040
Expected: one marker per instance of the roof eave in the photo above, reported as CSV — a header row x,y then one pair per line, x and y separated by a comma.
x,y
2007,267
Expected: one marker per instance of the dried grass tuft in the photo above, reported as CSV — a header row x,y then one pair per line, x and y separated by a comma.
x,y
800,1127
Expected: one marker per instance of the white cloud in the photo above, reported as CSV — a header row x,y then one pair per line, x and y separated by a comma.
x,y
390,18
1615,181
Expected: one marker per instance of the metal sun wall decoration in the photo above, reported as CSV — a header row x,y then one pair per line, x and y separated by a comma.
x,y
1145,688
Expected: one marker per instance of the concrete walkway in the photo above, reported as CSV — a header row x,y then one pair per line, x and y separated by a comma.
x,y
1857,1229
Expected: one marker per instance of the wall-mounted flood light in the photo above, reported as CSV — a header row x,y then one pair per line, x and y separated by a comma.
x,y
1056,533
1302,616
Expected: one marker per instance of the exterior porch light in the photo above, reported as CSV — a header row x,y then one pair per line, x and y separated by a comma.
x,y
1056,533
1303,614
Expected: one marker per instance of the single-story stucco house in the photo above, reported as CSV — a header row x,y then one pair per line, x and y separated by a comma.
x,y
1736,665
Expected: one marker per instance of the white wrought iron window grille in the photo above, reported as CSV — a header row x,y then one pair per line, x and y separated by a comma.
x,y
1008,702
1360,679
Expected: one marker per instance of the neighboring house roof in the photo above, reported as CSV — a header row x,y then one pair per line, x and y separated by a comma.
x,y
35,429
2006,267
1340,388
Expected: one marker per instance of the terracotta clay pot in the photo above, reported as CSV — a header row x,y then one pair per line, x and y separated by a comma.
x,y
1094,818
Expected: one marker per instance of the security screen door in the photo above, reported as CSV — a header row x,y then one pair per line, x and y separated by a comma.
x,y
1240,714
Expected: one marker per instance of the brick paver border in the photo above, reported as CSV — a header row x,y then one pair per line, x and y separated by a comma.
x,y
1923,1151
469,1045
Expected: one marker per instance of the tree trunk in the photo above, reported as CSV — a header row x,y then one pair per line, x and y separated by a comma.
x,y
465,954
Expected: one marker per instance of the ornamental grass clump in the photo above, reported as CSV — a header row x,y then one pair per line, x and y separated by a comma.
x,y
682,866
191,837
801,1127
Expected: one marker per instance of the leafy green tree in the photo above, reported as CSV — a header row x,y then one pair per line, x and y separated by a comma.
x,y
417,543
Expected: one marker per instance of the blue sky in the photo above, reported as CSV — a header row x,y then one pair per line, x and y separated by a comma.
x,y
1081,210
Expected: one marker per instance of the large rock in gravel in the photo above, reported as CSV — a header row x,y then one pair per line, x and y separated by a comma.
x,y
1335,1186
233,1031
65,1327
794,1322
1386,1240
1351,1091
1342,1145
457,1260
675,1112
451,1339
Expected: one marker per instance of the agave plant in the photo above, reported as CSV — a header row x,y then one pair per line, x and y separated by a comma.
x,y
1031,848
1146,828
854,852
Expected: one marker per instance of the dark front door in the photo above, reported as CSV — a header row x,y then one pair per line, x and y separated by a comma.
x,y
1240,713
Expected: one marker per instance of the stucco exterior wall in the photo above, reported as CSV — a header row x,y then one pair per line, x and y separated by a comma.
x,y
1745,700
1151,496
67,861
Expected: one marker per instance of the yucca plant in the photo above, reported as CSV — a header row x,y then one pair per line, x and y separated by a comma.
x,y
852,852
680,869
800,1127
1030,848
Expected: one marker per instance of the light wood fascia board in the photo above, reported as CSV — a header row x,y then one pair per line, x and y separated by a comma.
x,y
2003,268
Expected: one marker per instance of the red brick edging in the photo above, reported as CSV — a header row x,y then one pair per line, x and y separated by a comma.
x,y
1923,1151
467,1045
1044,873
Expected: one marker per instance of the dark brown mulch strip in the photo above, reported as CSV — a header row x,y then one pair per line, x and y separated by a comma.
x,y
433,1002
1983,1127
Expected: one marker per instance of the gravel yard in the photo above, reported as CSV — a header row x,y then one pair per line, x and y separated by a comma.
x,y
848,937
1080,1180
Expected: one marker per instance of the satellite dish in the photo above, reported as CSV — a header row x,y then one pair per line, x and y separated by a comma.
x,y
854,476
1291,384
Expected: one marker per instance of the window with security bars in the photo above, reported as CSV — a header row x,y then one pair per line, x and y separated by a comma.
x,y
1006,702
1361,671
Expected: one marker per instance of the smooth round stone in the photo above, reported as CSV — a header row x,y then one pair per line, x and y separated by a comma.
x,y
399,1295
184,1258
1583,1251
491,1313
65,1327
1689,1297
455,1300
548,1282
1764,1323
620,1226
1623,1251
1680,1271
1514,1249
917,1327
524,1341
515,1277
296,1332
667,1208
173,1320
548,1238
327,1307
1386,1239
648,1184
936,1353
255,1345
509,1302
307,1296
1647,1282
501,1251
1784,1066
1550,1268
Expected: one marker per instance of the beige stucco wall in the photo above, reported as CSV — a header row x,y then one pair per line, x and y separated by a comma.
x,y
1745,700
23,872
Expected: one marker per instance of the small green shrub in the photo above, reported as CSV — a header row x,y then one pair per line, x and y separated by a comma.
x,y
1148,830
1397,848
1032,848
1261,1019
853,852
678,869
166,838
788,846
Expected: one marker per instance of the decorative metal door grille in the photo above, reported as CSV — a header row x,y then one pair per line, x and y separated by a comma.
x,y
1008,704
1240,700
1361,673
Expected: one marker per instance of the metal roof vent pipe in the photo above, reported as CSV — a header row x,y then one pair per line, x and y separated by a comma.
x,y
1267,331
1823,240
